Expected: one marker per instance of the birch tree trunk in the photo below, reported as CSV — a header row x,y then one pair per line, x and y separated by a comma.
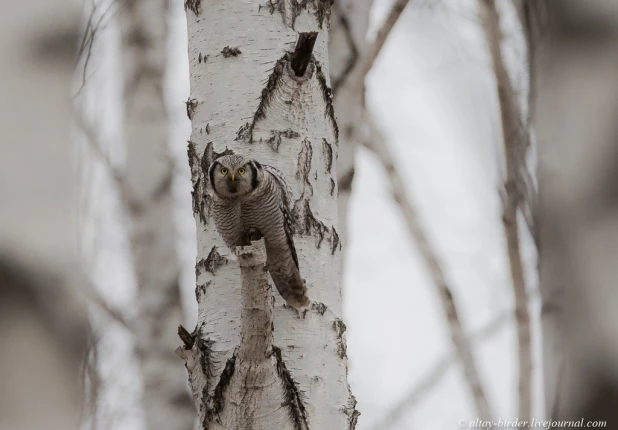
x,y
148,194
42,336
254,362
576,65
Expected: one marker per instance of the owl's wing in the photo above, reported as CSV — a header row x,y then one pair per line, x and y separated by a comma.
x,y
286,207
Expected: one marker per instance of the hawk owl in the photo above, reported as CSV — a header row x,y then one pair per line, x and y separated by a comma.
x,y
251,198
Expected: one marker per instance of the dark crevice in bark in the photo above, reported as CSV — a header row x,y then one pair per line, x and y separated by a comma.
x,y
228,52
340,328
332,187
275,139
305,222
335,241
328,155
213,262
319,307
191,107
351,411
218,398
292,394
339,80
200,290
301,56
194,6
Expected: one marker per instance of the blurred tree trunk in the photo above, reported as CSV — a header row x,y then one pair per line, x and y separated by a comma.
x,y
254,362
575,51
42,326
347,47
148,193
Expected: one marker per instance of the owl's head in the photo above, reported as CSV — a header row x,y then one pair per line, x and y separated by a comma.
x,y
234,176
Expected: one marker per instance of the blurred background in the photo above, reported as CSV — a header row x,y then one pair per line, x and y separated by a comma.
x,y
433,95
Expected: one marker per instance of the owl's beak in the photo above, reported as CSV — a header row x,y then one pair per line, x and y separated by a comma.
x,y
233,174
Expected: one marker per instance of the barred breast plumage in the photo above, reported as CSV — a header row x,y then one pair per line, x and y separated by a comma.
x,y
249,196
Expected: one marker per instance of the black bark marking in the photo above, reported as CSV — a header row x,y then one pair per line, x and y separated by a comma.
x,y
207,128
319,8
332,187
340,329
319,307
199,58
191,107
345,183
301,56
200,290
218,398
328,98
194,6
214,261
198,202
292,394
244,133
351,411
267,95
306,222
275,139
303,166
328,154
231,52
335,241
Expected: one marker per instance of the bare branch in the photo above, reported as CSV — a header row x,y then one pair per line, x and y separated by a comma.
x,y
516,143
378,146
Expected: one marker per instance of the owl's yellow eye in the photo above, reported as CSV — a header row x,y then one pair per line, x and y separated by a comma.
x,y
224,171
241,171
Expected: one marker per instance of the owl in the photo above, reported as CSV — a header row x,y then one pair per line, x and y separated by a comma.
x,y
250,199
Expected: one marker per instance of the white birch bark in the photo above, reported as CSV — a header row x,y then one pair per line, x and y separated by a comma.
x,y
576,104
348,45
246,97
147,188
42,332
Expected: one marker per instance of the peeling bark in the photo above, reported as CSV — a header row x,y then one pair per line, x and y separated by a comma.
x,y
283,361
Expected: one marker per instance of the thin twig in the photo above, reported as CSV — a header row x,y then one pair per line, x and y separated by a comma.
x,y
377,144
435,375
515,141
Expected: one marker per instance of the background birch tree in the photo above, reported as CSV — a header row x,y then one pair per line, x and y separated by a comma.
x,y
255,91
147,193
42,325
576,97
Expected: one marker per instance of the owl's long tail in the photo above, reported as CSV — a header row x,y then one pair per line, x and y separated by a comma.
x,y
288,281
